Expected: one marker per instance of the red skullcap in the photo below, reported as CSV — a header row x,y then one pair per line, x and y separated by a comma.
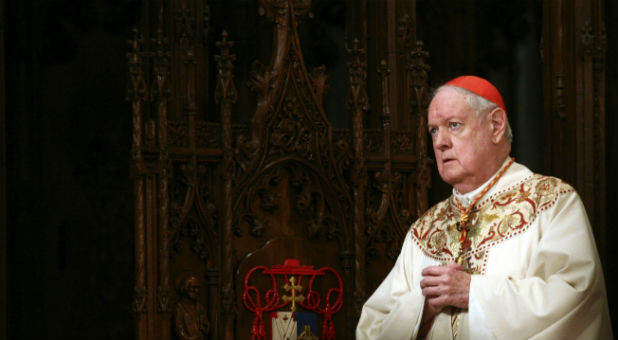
x,y
480,87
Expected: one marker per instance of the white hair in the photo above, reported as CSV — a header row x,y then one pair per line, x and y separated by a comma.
x,y
480,105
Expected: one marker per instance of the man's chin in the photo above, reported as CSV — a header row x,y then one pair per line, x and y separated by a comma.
x,y
450,177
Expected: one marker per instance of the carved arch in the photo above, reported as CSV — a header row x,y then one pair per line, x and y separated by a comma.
x,y
309,195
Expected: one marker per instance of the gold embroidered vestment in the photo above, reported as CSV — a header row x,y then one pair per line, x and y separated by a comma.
x,y
495,219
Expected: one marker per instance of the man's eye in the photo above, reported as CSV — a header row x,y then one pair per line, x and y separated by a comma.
x,y
454,125
433,131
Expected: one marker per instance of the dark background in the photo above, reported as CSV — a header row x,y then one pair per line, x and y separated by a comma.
x,y
69,201
69,191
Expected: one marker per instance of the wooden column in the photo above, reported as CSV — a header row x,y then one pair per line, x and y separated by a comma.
x,y
225,96
357,105
574,47
136,94
160,96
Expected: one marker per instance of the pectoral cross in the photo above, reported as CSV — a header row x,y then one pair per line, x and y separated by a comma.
x,y
293,297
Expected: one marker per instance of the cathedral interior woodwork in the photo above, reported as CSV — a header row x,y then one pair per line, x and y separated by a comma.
x,y
155,151
223,191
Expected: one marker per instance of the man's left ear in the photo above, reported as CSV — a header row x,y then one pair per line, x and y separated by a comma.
x,y
497,119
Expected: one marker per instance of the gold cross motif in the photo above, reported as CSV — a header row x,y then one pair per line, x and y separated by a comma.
x,y
293,287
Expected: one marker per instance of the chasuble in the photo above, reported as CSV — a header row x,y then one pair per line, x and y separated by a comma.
x,y
534,265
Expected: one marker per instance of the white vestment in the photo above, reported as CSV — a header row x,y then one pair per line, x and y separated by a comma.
x,y
535,268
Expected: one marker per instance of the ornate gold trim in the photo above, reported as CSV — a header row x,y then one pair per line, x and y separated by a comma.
x,y
497,218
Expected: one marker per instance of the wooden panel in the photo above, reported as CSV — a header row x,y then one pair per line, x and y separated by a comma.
x,y
574,51
219,191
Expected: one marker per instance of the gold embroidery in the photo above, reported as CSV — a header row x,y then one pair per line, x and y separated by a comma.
x,y
497,218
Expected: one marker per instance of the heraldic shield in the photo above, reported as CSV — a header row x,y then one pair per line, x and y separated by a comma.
x,y
294,325
293,302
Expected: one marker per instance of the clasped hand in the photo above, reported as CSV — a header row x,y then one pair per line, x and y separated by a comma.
x,y
444,286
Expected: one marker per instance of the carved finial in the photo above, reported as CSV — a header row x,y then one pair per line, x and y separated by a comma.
x,y
418,72
225,90
383,69
587,37
185,26
161,65
136,87
406,32
278,10
593,41
224,43
357,70
160,40
384,72
135,44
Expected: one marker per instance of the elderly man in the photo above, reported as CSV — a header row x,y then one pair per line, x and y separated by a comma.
x,y
509,255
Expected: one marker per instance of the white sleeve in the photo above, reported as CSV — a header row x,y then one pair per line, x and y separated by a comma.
x,y
477,320
561,293
395,308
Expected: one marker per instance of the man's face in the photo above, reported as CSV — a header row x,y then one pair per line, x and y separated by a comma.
x,y
193,291
461,141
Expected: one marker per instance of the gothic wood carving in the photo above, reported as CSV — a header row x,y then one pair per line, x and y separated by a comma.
x,y
573,50
215,197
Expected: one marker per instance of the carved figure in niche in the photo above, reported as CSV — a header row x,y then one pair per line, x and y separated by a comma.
x,y
190,319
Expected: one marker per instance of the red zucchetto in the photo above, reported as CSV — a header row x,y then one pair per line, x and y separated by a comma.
x,y
479,86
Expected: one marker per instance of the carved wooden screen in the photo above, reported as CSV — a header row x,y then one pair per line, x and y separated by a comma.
x,y
216,195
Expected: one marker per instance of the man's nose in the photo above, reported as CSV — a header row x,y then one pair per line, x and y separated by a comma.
x,y
441,140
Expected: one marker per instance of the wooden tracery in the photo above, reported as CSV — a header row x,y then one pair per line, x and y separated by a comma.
x,y
215,197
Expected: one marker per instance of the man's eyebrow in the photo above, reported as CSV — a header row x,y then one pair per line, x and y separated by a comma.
x,y
451,117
